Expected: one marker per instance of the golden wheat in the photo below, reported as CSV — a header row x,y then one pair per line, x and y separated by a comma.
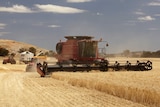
x,y
141,87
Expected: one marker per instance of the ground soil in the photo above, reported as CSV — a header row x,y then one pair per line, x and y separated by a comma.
x,y
19,88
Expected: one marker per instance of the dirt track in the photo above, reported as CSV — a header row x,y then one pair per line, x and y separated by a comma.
x,y
27,89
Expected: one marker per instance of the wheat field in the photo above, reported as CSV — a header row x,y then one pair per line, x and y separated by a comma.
x,y
80,89
138,86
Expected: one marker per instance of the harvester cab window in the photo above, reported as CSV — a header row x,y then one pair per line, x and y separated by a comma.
x,y
87,48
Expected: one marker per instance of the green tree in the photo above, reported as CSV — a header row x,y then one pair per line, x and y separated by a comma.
x,y
50,53
146,54
126,53
22,50
3,52
33,50
156,54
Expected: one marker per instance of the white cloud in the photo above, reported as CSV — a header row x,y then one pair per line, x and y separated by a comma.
x,y
2,25
54,26
146,18
41,8
58,9
154,4
99,14
139,13
16,9
157,15
78,1
152,29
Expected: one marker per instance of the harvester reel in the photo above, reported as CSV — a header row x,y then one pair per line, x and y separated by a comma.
x,y
128,65
116,66
104,65
148,65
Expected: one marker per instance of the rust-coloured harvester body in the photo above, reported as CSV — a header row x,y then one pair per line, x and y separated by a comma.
x,y
81,53
77,49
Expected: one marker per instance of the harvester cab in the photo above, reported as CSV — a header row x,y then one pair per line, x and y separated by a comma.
x,y
77,49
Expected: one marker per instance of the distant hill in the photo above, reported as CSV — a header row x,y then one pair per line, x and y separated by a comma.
x,y
14,46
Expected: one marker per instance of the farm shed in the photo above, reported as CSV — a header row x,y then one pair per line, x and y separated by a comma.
x,y
26,56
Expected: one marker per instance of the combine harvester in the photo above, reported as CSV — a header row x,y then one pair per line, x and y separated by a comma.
x,y
81,53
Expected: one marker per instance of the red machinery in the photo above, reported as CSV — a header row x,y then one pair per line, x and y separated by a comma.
x,y
10,59
80,53
77,49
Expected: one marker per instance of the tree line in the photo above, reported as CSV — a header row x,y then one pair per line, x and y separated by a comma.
x,y
144,54
147,54
5,52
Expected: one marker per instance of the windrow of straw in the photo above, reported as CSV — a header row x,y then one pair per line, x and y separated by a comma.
x,y
143,96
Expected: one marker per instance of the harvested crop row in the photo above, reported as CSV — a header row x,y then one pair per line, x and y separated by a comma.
x,y
19,89
141,87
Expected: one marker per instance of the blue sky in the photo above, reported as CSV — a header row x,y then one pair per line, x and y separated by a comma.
x,y
124,24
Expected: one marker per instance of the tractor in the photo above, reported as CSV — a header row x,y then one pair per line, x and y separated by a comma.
x,y
10,59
